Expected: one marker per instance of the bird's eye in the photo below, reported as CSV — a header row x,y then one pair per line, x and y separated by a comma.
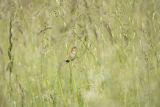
x,y
67,61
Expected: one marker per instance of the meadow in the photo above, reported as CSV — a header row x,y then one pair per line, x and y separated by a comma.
x,y
117,62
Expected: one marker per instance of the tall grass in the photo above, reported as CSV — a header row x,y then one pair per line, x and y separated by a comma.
x,y
118,53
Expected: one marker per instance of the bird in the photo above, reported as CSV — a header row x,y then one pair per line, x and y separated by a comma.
x,y
72,54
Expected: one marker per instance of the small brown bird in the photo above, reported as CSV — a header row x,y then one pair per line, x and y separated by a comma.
x,y
72,55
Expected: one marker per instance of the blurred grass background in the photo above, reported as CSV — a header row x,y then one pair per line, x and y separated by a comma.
x,y
118,53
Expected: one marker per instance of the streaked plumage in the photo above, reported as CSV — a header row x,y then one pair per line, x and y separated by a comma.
x,y
72,55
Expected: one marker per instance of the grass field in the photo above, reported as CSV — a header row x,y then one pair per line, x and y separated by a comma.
x,y
117,62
